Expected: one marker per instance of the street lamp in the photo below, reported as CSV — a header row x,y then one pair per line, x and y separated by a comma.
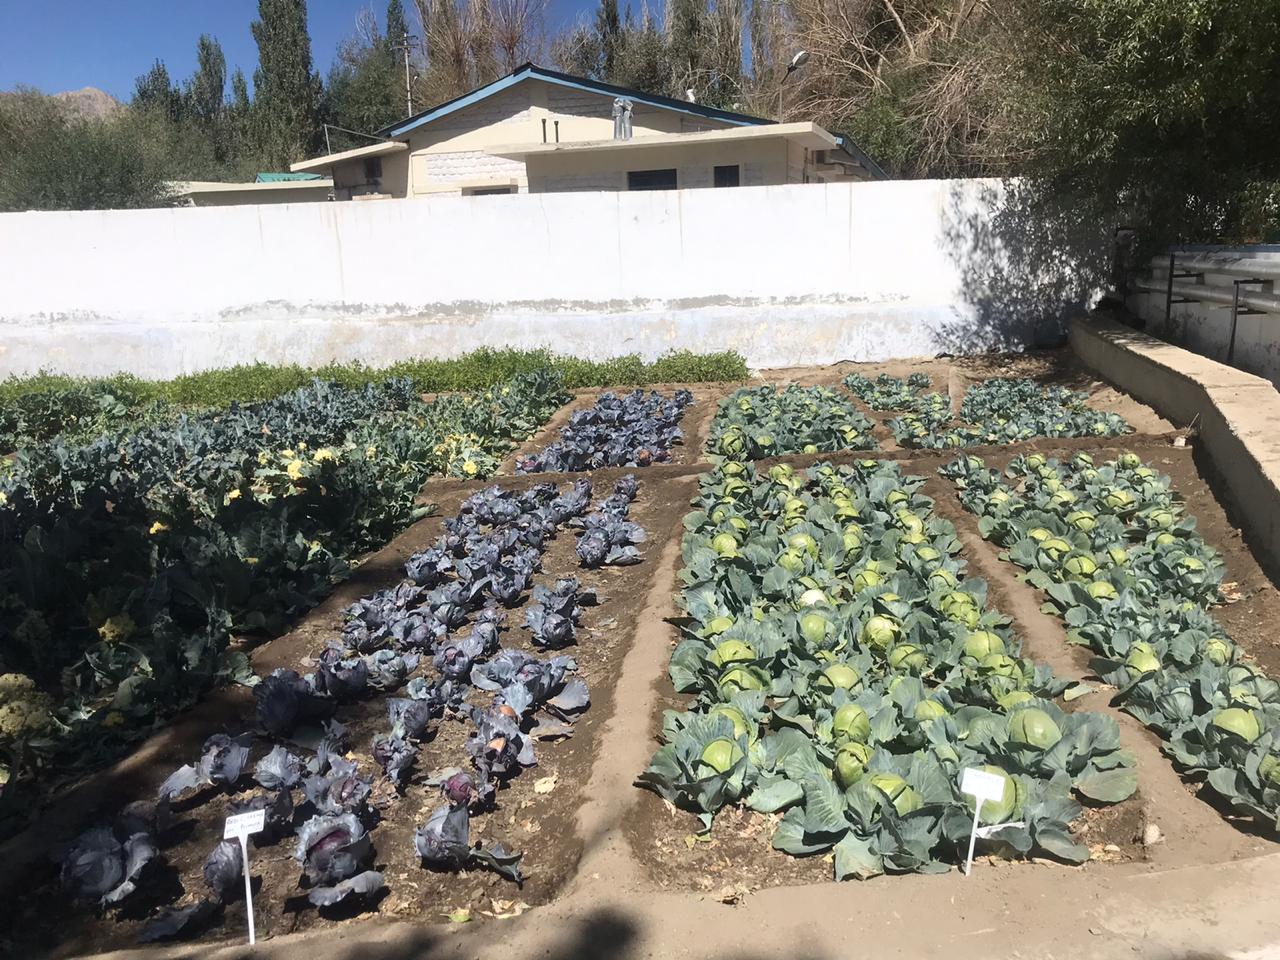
x,y
798,61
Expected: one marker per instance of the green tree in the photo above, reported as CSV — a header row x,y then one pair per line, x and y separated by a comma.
x,y
54,161
609,32
206,90
287,92
155,91
366,83
397,24
204,98
239,92
1166,110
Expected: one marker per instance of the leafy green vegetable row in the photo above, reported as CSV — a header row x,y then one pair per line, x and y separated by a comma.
x,y
757,422
1125,568
43,406
888,393
846,671
127,563
1002,411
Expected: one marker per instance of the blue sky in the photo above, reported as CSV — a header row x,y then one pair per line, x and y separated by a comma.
x,y
57,45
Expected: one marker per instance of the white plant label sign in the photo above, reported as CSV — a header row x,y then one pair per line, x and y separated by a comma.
x,y
241,826
982,786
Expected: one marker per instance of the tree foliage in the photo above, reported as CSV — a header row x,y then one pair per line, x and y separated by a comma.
x,y
365,88
286,106
1168,108
698,48
55,161
1161,113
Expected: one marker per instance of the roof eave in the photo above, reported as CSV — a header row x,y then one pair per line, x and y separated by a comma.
x,y
806,133
532,71
330,159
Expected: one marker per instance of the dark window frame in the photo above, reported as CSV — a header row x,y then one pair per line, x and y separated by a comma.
x,y
723,171
664,179
372,169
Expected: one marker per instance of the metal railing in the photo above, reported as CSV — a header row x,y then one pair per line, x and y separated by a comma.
x,y
1184,282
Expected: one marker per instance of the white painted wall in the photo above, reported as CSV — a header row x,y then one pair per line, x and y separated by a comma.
x,y
1205,328
787,275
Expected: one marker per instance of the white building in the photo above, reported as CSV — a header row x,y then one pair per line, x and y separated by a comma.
x,y
536,130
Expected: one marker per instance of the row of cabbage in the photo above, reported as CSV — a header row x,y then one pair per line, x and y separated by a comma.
x,y
757,422
409,636
632,430
1126,570
127,563
847,670
993,412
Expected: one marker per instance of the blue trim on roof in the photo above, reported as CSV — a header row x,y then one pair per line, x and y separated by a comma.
x,y
530,71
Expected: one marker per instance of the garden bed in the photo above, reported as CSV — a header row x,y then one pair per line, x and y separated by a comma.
x,y
534,813
575,844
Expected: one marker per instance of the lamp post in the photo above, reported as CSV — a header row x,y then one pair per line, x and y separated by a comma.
x,y
798,61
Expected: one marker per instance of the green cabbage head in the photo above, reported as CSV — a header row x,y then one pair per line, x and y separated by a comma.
x,y
1236,720
851,723
1033,727
851,763
899,792
720,755
1007,807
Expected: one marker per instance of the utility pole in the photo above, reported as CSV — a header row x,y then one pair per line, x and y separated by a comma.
x,y
403,47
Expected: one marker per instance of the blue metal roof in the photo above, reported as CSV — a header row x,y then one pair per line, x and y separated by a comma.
x,y
531,71
272,177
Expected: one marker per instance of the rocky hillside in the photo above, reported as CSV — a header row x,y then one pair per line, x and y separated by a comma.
x,y
88,102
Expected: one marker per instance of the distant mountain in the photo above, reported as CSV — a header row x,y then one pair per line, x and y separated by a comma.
x,y
90,103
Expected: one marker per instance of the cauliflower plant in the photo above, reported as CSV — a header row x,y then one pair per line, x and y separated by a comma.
x,y
24,711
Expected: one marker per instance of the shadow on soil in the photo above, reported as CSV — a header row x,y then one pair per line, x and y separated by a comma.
x,y
604,934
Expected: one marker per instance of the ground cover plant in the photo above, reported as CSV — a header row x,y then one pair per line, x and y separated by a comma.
x,y
757,422
127,563
845,670
39,407
1124,567
631,430
434,648
1004,411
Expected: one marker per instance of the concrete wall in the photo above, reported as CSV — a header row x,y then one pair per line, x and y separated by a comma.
x,y
1233,412
787,275
766,160
1205,328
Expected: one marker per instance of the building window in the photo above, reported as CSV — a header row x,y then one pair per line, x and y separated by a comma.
x,y
372,169
487,191
728,176
651,180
